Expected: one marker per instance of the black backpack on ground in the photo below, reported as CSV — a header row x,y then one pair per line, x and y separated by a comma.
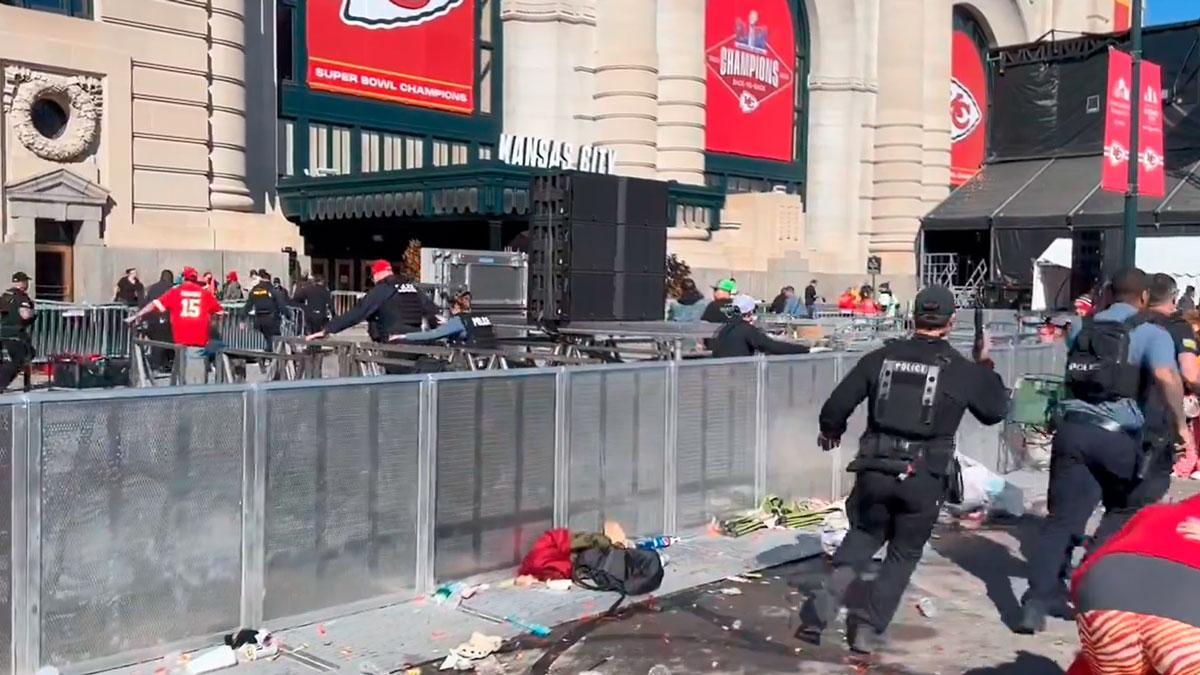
x,y
1098,364
627,571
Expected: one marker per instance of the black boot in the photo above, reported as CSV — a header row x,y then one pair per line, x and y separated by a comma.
x,y
862,637
816,614
1033,618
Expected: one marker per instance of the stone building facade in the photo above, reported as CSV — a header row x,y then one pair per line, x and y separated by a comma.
x,y
158,133
137,133
631,74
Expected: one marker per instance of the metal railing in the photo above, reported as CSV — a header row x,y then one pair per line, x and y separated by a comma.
x,y
135,522
101,329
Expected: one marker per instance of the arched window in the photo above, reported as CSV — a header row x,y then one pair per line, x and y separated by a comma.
x,y
750,171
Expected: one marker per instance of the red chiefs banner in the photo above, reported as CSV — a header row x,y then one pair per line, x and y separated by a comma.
x,y
1152,178
417,52
968,109
1118,118
750,50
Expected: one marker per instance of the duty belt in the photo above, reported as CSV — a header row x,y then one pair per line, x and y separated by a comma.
x,y
1091,419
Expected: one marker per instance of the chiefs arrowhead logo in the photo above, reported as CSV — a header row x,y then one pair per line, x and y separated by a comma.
x,y
394,13
965,115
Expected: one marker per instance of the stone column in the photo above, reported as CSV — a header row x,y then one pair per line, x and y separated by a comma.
x,y
626,98
227,105
899,136
681,91
939,29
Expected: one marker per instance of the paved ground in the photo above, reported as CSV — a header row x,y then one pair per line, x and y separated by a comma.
x,y
973,577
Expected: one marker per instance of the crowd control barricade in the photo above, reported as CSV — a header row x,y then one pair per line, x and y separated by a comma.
x,y
135,522
80,329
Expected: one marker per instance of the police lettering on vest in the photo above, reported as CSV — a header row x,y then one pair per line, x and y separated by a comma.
x,y
905,402
262,301
480,332
1098,365
402,313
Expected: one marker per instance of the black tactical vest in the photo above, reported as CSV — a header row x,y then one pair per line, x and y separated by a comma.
x,y
262,301
401,313
480,332
905,403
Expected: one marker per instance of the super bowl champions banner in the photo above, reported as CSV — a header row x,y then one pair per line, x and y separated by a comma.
x,y
750,52
416,52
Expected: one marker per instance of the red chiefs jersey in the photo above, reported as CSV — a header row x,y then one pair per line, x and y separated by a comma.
x,y
191,307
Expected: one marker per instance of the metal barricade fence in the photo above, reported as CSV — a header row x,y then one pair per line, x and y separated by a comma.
x,y
101,329
135,522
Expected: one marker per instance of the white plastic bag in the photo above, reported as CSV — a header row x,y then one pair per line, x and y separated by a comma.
x,y
984,489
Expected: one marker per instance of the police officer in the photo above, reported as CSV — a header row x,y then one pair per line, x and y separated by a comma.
x,y
918,388
462,326
16,317
394,306
316,301
265,303
1110,428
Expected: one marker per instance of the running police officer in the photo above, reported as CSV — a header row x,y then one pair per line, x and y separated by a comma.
x,y
918,388
265,303
462,326
16,316
316,302
1109,428
394,306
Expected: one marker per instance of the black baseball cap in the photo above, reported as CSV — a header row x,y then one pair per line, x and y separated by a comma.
x,y
934,304
20,276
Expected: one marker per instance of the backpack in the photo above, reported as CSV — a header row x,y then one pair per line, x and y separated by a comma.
x,y
618,570
1098,366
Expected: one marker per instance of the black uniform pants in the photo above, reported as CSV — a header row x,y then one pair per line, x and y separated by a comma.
x,y
20,354
1088,466
882,509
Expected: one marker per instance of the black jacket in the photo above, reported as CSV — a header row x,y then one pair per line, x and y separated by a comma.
x,y
156,291
740,338
964,386
389,311
810,295
316,302
779,304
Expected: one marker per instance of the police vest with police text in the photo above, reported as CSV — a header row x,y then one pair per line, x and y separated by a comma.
x,y
262,300
480,332
905,403
1098,364
401,313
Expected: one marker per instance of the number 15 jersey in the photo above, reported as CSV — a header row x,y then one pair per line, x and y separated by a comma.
x,y
191,307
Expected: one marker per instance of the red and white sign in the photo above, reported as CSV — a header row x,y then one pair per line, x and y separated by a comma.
x,y
1118,117
1152,178
750,49
968,109
416,52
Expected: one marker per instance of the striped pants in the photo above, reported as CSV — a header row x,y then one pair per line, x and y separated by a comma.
x,y
1122,643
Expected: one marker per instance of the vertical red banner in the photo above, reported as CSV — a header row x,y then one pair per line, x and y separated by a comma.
x,y
1118,118
968,109
1152,178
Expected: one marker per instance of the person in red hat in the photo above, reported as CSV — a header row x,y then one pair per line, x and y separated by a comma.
x,y
1137,597
393,307
191,307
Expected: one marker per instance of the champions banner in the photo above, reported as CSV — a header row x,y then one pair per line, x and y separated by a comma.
x,y
416,52
750,52
1152,178
1118,118
968,109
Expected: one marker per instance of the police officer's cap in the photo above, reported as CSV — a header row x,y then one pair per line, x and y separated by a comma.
x,y
934,304
20,276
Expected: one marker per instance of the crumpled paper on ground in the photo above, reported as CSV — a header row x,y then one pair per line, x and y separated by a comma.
x,y
466,655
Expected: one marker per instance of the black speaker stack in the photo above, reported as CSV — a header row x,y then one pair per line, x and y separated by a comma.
x,y
598,249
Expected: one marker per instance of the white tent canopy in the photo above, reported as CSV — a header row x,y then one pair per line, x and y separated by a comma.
x,y
1176,256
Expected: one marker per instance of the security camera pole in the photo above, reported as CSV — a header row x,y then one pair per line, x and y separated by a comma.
x,y
1129,250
